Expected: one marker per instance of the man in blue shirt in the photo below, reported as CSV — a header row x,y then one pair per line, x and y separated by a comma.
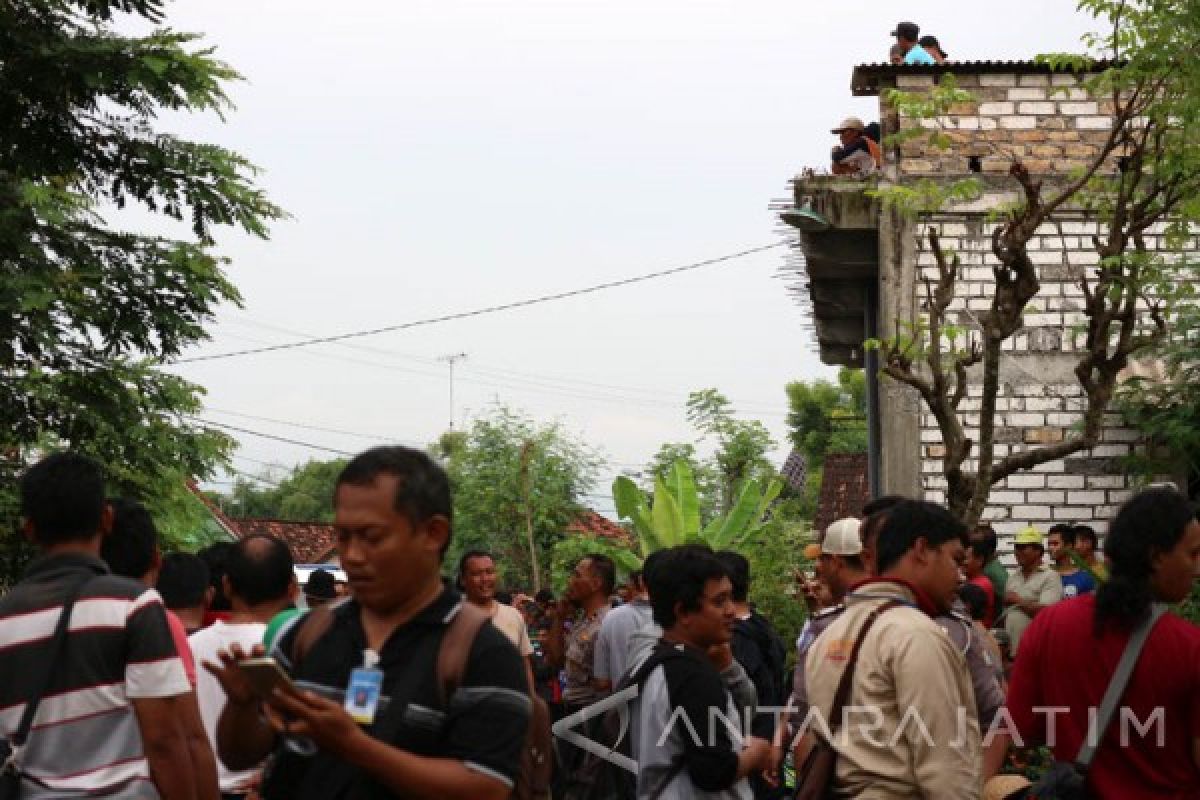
x,y
1060,542
907,34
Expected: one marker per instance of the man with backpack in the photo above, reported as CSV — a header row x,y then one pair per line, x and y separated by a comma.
x,y
692,599
427,731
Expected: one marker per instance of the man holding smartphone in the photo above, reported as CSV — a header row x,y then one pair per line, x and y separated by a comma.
x,y
393,524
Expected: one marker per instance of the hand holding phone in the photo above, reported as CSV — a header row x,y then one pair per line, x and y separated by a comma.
x,y
265,676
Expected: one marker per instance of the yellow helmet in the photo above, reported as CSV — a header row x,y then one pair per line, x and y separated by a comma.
x,y
1029,535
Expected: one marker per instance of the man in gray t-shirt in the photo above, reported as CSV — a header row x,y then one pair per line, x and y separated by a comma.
x,y
618,626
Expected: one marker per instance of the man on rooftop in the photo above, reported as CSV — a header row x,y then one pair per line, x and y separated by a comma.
x,y
857,155
907,36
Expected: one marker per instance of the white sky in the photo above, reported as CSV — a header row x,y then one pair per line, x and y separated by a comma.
x,y
443,155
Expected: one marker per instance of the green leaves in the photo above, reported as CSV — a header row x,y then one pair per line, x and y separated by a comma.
x,y
87,311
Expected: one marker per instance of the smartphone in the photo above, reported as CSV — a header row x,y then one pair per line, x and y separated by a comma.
x,y
265,675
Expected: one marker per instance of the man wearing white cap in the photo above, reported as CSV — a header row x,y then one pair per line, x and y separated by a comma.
x,y
853,156
839,565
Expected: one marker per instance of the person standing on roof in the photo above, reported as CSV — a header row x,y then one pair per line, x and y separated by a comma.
x,y
907,36
857,155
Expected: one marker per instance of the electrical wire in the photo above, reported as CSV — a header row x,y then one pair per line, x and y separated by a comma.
x,y
272,437
487,310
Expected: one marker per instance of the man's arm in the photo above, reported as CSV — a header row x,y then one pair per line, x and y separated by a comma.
x,y
554,646
203,761
165,746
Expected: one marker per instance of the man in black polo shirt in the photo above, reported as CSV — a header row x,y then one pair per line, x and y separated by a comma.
x,y
393,523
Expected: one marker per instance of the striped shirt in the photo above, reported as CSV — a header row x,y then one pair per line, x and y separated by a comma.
x,y
85,739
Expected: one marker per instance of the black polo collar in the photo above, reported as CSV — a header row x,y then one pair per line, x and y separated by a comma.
x,y
61,563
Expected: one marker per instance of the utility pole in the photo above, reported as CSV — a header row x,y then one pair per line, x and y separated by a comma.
x,y
451,360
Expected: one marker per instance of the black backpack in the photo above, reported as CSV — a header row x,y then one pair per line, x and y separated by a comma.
x,y
598,778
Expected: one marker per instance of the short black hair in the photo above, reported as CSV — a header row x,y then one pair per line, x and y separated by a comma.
x,y
980,548
882,504
183,580
1085,532
1067,532
739,573
975,599
649,563
603,566
504,597
678,577
216,558
260,569
987,535
912,520
544,596
129,549
62,496
422,488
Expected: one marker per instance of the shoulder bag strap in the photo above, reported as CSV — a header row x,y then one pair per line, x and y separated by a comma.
x,y
312,627
843,691
1117,685
455,649
57,643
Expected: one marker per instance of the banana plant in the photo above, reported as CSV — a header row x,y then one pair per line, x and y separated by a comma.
x,y
674,516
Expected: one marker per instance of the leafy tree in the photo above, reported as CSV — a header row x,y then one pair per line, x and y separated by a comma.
x,y
826,418
304,495
741,445
87,307
1150,84
517,486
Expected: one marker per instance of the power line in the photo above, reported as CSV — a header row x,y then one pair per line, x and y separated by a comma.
x,y
489,309
272,437
308,427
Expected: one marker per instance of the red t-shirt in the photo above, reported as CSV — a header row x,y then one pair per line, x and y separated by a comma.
x,y
989,611
1061,663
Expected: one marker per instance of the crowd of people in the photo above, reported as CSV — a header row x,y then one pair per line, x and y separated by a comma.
x,y
923,666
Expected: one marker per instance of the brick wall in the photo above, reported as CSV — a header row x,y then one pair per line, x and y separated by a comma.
x,y
1048,121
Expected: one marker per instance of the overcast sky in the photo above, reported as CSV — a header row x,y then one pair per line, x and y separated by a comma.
x,y
441,155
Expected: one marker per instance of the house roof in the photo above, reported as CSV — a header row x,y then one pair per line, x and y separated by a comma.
x,y
310,542
589,523
867,79
844,488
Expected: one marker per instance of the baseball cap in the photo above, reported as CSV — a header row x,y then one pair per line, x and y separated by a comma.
x,y
908,31
849,124
841,539
1028,535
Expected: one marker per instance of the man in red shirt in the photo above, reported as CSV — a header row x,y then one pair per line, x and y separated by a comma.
x,y
977,555
1070,651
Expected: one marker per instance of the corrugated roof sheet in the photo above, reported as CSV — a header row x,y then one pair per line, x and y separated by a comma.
x,y
865,80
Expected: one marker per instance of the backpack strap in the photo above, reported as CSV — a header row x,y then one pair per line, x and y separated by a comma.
x,y
455,648
1117,685
58,643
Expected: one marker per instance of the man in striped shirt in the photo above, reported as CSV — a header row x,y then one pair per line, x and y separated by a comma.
x,y
119,682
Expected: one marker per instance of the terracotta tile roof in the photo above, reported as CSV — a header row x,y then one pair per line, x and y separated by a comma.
x,y
590,523
844,488
217,514
310,542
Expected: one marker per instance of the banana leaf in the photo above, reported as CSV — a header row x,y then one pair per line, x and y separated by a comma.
x,y
630,502
737,522
667,517
682,484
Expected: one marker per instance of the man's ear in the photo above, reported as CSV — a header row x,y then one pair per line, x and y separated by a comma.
x,y
27,531
209,594
106,519
921,550
437,530
226,587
